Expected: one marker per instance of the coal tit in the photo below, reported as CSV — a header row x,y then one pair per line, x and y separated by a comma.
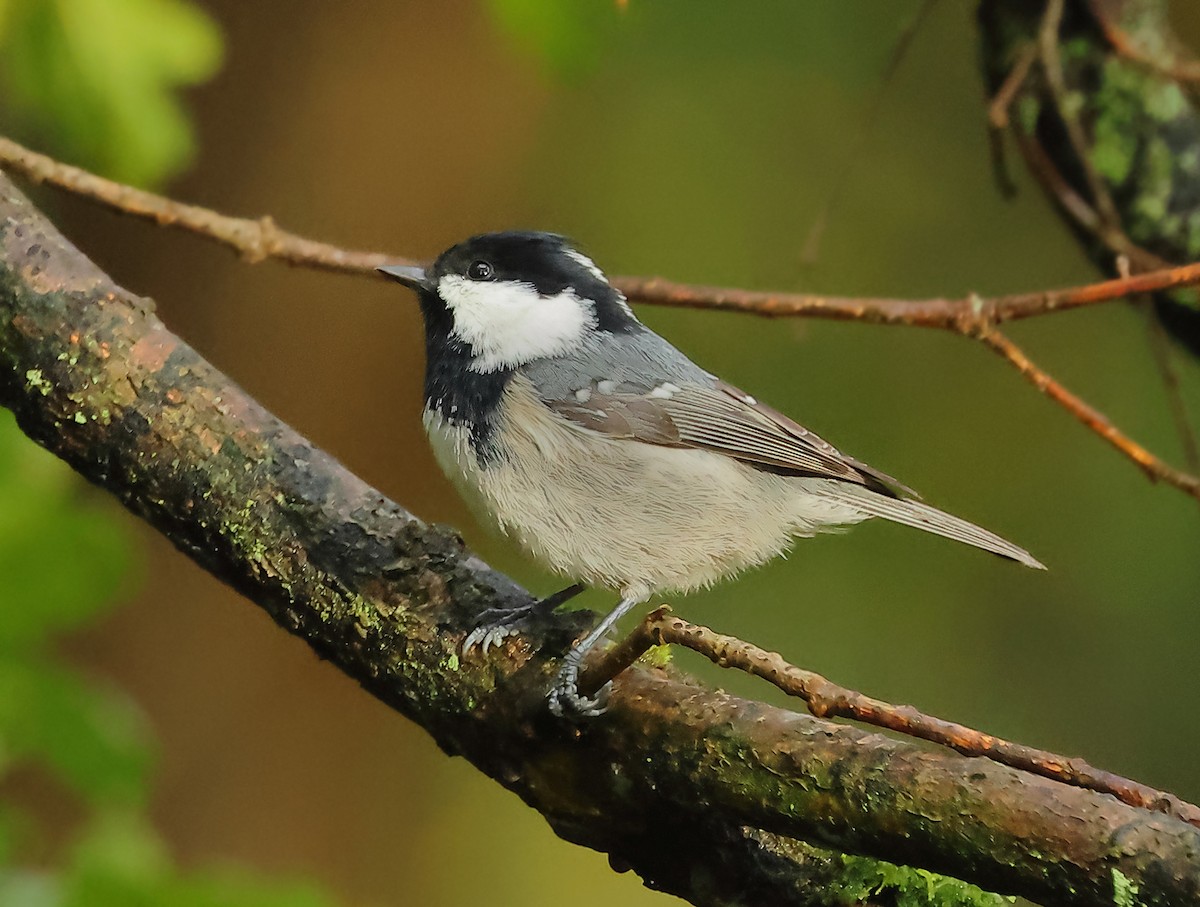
x,y
610,456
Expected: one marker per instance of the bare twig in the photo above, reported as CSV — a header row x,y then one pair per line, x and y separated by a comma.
x,y
1000,107
1078,209
1098,217
961,316
971,316
1089,416
256,240
260,239
1048,34
826,699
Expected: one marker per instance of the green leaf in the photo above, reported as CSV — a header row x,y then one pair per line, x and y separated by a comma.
x,y
60,557
89,736
98,78
121,862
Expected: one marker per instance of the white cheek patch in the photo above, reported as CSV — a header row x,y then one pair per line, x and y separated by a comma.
x,y
508,323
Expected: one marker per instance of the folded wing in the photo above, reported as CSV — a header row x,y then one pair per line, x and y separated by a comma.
x,y
724,420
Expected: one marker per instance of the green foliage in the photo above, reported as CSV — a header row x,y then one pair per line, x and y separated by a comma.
x,y
42,528
62,564
95,79
91,739
119,862
569,38
98,78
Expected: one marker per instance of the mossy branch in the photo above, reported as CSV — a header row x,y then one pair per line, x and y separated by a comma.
x,y
703,794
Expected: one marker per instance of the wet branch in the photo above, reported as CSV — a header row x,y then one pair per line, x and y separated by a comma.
x,y
703,794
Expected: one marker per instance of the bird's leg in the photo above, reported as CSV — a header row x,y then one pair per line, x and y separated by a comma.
x,y
564,696
496,624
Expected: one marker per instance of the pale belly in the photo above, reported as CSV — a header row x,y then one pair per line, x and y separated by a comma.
x,y
625,515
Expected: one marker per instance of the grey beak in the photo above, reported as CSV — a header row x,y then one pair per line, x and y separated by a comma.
x,y
408,275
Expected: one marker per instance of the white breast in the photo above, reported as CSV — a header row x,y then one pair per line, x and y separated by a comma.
x,y
635,517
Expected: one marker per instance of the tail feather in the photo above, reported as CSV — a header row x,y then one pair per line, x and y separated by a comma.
x,y
930,519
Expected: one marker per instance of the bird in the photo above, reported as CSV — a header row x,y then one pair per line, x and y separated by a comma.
x,y
607,454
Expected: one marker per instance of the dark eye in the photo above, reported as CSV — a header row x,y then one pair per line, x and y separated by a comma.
x,y
479,270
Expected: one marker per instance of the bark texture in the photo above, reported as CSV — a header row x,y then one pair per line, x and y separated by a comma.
x,y
703,794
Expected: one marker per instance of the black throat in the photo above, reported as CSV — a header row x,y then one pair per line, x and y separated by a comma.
x,y
455,391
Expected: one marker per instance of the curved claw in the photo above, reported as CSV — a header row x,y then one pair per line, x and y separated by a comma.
x,y
495,626
566,700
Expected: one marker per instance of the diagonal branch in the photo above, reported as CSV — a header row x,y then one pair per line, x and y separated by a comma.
x,y
971,316
1154,467
668,783
254,239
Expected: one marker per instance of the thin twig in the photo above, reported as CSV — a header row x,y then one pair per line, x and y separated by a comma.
x,y
999,116
255,240
826,699
1048,35
961,316
971,316
1099,218
260,239
1078,209
1000,106
1089,415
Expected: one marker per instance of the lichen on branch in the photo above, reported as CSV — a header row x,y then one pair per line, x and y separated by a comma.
x,y
698,791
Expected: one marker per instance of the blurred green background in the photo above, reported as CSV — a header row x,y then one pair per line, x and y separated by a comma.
x,y
698,140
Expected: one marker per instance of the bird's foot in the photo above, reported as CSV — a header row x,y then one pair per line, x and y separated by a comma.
x,y
497,624
565,698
